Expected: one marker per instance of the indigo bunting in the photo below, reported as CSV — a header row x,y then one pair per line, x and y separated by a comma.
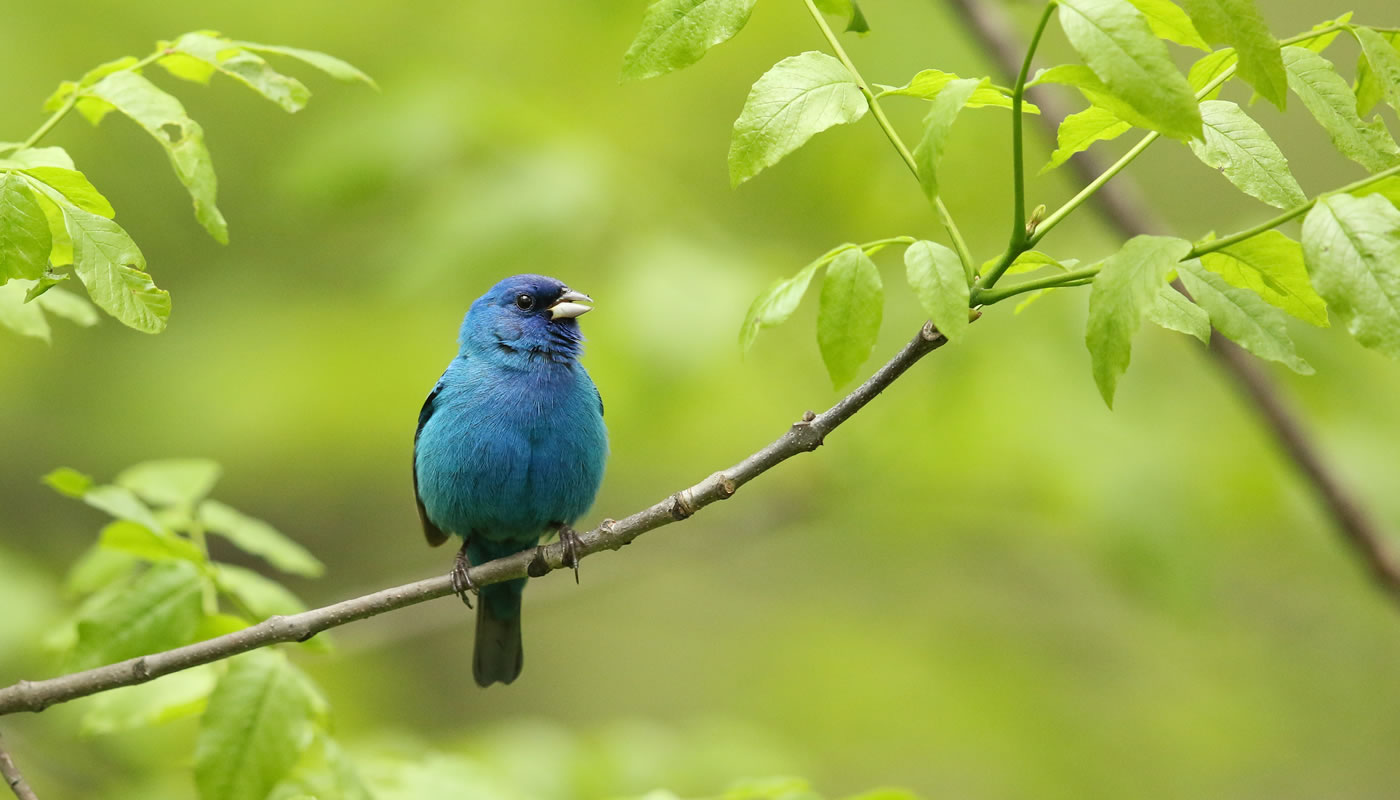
x,y
510,446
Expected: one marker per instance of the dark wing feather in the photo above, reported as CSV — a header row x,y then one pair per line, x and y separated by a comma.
x,y
434,535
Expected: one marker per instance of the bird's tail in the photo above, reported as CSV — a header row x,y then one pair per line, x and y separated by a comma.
x,y
499,654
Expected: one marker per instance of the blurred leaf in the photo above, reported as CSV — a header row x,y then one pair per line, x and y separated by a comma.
x,y
1169,22
324,771
1210,67
111,267
1243,317
1271,265
122,504
246,67
167,698
24,231
776,304
1237,23
1237,146
257,537
148,544
68,481
1125,289
885,794
72,186
928,83
798,98
26,319
98,567
940,284
848,10
159,610
1352,249
1378,71
256,726
771,789
216,625
938,125
848,316
1118,45
183,139
70,306
262,597
677,33
1175,313
1080,130
332,66
172,481
1328,98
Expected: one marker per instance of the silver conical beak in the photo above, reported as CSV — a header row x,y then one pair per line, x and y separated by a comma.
x,y
570,305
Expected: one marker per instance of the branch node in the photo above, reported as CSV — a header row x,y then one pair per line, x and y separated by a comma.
x,y
141,670
539,565
806,435
727,486
930,334
682,507
808,415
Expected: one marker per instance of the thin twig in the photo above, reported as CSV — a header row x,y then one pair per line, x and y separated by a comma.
x,y
12,776
1125,207
804,436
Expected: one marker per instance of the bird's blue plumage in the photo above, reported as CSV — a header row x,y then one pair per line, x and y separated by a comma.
x,y
511,443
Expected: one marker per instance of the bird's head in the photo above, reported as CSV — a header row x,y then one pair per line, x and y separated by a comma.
x,y
526,316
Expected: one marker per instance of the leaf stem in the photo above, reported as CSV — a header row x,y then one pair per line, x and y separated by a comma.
x,y
62,111
986,297
944,215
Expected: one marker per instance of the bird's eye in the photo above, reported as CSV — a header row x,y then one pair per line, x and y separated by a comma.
x,y
524,302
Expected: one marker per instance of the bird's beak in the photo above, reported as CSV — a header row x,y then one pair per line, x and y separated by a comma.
x,y
570,305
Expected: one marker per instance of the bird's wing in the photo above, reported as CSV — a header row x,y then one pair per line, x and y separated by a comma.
x,y
598,395
434,535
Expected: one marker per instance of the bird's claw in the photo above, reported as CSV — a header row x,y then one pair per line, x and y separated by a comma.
x,y
572,544
462,577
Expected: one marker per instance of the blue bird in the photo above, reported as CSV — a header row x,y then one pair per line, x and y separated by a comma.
x,y
510,446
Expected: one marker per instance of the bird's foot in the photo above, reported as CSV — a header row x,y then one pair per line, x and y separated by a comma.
x,y
461,576
572,544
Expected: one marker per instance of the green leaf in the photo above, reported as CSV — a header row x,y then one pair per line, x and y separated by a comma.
x,y
1034,261
798,98
1317,44
1243,317
1237,23
256,726
257,537
68,481
332,66
72,187
122,504
171,482
38,157
246,67
1126,288
1241,149
1378,71
1118,45
26,319
61,253
183,139
1174,312
1389,188
1094,90
1080,130
24,231
159,610
1169,22
1210,67
677,33
111,267
1271,266
148,544
940,284
938,125
776,304
848,10
848,316
1328,98
165,699
928,83
1352,249
262,597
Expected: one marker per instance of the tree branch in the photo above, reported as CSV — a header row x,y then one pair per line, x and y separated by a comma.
x,y
1125,207
804,436
12,776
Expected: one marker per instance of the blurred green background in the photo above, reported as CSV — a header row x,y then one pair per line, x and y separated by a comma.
x,y
985,586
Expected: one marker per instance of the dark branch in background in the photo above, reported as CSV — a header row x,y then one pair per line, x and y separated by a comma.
x,y
1125,206
12,776
804,436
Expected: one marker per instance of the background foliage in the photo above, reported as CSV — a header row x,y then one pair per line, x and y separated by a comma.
x,y
986,586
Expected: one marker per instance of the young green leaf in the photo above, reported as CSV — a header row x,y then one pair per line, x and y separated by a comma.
x,y
1118,45
159,610
172,481
254,730
170,697
1169,22
848,316
332,66
262,597
776,304
938,125
1123,293
940,284
1237,23
38,157
798,98
61,252
1389,188
26,319
1241,316
183,139
246,67
1208,68
1378,71
1241,149
1094,90
1271,266
677,33
1173,311
71,187
148,544
1080,130
1034,260
24,231
849,10
1328,98
928,83
68,481
69,306
122,504
111,267
1352,248
257,537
